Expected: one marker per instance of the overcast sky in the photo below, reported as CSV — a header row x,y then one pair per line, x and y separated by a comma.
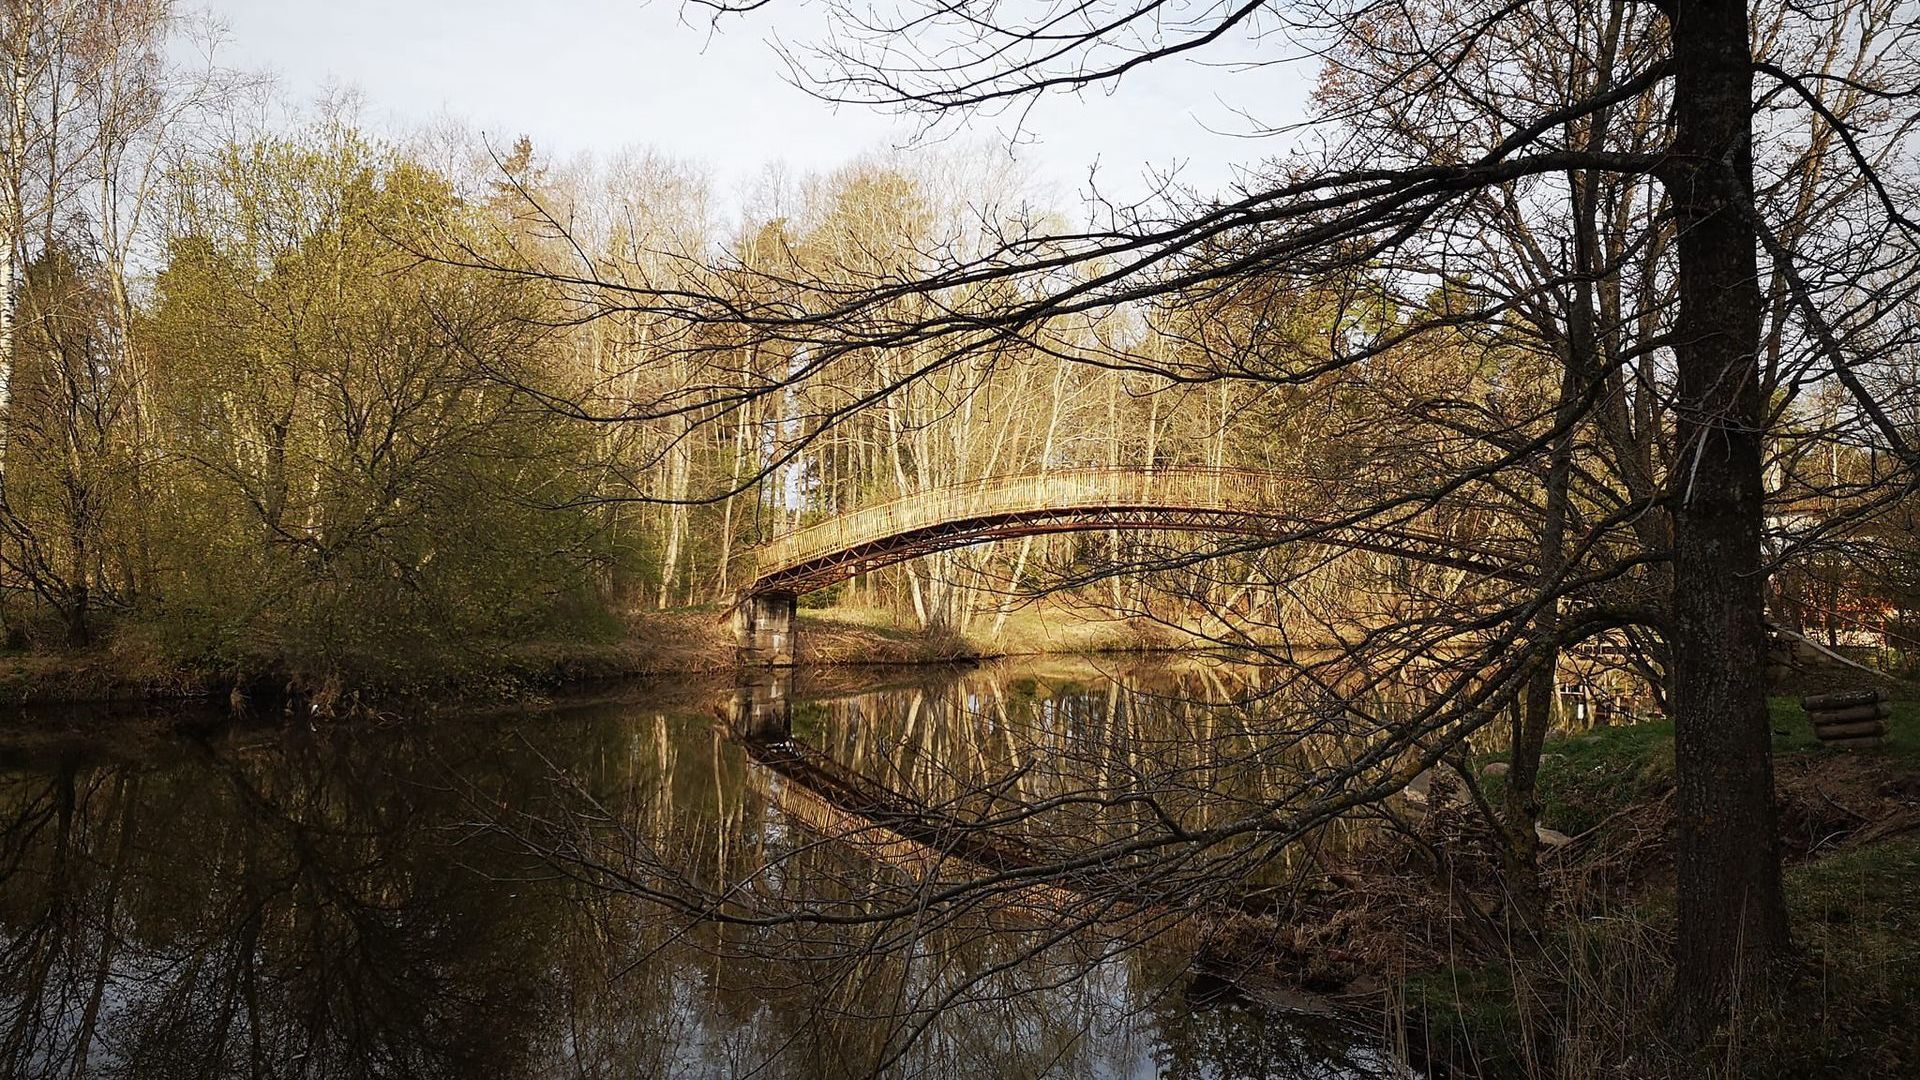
x,y
599,75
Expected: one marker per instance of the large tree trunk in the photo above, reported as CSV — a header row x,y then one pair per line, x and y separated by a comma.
x,y
1731,913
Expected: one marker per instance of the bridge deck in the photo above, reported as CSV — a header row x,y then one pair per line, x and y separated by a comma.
x,y
996,507
1176,498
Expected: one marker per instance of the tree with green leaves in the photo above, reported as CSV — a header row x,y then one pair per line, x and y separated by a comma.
x,y
347,475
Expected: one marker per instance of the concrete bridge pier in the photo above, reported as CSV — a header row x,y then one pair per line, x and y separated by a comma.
x,y
763,628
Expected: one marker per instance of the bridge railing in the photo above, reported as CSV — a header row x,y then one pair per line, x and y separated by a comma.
x,y
1176,487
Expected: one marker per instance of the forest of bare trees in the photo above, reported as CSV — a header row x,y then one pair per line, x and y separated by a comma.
x,y
1637,234
1616,297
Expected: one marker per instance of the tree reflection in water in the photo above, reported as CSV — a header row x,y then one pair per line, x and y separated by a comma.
x,y
483,897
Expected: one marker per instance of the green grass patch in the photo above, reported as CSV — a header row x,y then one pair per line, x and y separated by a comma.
x,y
1874,889
1593,776
1587,778
1854,1009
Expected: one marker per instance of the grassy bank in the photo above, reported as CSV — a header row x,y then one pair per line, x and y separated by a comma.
x,y
1591,1000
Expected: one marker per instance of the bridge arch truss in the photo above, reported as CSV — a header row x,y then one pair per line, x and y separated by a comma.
x,y
1181,499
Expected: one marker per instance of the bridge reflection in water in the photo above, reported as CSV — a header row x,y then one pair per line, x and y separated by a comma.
x,y
986,778
467,897
849,807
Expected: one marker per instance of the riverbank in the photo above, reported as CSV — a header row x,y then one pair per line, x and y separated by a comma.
x,y
1591,998
133,666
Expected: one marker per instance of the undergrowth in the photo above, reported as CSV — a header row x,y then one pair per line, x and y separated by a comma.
x,y
1593,998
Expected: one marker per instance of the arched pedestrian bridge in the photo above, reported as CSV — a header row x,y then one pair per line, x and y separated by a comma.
x,y
1244,501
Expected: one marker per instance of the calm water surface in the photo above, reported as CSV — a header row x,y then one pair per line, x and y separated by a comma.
x,y
462,897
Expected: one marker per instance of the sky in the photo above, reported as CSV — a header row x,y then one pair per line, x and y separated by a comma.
x,y
597,76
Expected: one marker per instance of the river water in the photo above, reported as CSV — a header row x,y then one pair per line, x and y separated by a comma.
x,y
653,883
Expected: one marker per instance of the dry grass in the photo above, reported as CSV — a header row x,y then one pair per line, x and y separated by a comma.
x,y
1593,999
